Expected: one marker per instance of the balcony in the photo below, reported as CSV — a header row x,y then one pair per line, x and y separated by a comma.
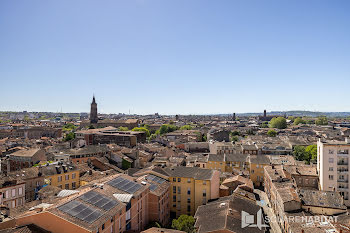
x,y
343,180
343,170
343,163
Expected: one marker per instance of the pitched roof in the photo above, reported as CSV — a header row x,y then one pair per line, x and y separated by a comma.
x,y
225,214
190,172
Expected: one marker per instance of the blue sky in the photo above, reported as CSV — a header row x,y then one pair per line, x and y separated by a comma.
x,y
179,56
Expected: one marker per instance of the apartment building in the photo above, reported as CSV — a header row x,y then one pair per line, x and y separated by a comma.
x,y
190,188
81,155
61,175
227,162
158,198
25,158
221,148
12,192
256,165
117,204
333,166
33,179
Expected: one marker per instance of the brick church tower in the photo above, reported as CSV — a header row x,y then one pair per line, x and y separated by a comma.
x,y
93,111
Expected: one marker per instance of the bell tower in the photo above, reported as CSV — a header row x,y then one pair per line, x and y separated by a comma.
x,y
93,111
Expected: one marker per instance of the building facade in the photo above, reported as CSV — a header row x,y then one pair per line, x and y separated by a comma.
x,y
333,166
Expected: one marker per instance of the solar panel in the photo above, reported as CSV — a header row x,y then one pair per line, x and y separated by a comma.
x,y
81,211
125,185
99,200
155,179
153,187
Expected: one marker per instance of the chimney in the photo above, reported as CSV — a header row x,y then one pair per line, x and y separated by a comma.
x,y
265,113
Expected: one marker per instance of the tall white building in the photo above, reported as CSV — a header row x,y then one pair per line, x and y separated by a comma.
x,y
333,166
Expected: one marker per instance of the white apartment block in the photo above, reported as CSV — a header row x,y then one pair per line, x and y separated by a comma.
x,y
333,166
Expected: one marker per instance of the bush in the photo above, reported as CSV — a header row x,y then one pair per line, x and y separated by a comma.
x,y
271,133
298,121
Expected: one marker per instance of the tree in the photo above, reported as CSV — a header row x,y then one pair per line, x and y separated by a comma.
x,y
291,118
322,120
306,154
299,153
235,133
235,138
311,152
265,124
184,223
186,127
91,127
144,129
121,128
271,133
69,136
69,127
298,121
278,122
167,129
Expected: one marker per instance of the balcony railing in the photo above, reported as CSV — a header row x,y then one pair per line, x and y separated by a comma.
x,y
343,170
343,180
343,163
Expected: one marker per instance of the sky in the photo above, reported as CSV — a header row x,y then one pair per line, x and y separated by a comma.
x,y
174,56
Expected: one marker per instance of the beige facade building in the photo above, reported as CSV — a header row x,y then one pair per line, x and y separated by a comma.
x,y
333,166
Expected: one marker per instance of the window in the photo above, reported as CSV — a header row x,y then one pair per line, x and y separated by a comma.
x,y
174,198
189,191
20,201
59,179
179,190
330,160
103,226
60,186
13,192
330,152
174,179
330,177
330,169
188,200
74,185
188,180
174,189
178,179
67,177
73,176
204,182
20,191
66,186
204,193
252,171
189,208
